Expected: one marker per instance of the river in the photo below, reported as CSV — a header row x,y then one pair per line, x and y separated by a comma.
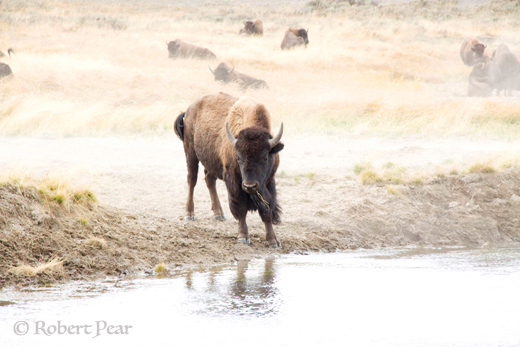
x,y
389,297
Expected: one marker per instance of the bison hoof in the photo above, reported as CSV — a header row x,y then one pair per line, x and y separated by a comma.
x,y
278,245
188,218
220,217
245,241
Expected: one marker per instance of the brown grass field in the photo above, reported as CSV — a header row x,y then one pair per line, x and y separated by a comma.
x,y
101,67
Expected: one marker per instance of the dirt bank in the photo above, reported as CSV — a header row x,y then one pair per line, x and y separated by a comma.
x,y
467,210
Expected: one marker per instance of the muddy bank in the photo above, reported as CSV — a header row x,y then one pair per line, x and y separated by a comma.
x,y
479,210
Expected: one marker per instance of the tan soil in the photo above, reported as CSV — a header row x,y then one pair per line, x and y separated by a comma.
x,y
141,185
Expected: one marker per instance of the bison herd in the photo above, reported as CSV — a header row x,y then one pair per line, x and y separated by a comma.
x,y
500,72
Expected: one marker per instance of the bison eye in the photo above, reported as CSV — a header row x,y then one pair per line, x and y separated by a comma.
x,y
266,157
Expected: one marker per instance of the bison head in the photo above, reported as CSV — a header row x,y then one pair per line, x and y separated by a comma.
x,y
173,48
478,50
249,27
222,72
304,35
255,148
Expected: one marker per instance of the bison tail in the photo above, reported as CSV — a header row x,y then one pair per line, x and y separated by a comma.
x,y
178,127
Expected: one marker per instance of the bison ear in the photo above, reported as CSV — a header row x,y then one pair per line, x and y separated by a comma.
x,y
276,148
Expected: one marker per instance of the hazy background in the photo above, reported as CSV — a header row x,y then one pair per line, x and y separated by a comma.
x,y
101,67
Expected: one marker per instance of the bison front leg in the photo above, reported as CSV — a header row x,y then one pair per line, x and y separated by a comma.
x,y
193,169
271,236
215,202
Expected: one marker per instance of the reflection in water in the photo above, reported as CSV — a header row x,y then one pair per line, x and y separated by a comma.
x,y
247,292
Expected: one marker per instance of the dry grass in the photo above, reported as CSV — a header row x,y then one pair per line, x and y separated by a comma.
x,y
51,188
368,70
52,267
392,176
96,242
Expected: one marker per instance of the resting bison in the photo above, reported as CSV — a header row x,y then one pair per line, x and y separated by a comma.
x,y
232,139
504,70
295,37
472,52
181,49
226,74
252,28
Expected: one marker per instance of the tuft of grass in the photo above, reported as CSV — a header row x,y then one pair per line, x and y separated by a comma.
x,y
160,269
370,177
310,175
83,221
481,168
53,266
96,242
392,190
359,168
417,181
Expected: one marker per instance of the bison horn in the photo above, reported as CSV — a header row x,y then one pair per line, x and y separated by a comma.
x,y
277,138
230,136
210,69
230,71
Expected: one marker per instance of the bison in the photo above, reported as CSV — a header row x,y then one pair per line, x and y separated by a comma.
x,y
252,28
232,139
181,49
295,37
472,52
226,74
504,70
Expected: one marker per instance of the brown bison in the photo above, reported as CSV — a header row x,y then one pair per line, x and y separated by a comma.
x,y
252,28
504,70
181,49
226,74
472,52
232,139
295,37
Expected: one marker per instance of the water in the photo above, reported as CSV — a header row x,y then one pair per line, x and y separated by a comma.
x,y
405,297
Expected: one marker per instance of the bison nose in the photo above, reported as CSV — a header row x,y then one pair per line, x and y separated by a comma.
x,y
250,187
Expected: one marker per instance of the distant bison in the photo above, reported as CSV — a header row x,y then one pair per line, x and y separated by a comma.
x,y
472,52
504,70
232,139
226,74
181,49
253,28
5,70
295,37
